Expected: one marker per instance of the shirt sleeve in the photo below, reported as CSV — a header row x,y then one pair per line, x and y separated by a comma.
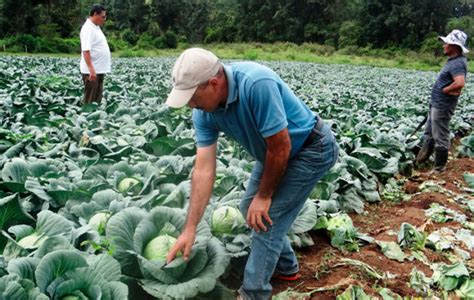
x,y
459,68
205,133
267,106
86,38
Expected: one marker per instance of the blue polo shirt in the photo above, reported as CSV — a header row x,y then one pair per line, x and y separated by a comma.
x,y
258,106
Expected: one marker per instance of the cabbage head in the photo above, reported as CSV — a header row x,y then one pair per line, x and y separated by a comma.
x,y
32,241
226,219
135,233
229,226
28,239
71,297
99,220
130,184
159,247
343,234
340,222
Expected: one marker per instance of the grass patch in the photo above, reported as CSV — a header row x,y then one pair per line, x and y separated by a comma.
x,y
131,53
312,53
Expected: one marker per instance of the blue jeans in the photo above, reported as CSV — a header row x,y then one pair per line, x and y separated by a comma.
x,y
271,251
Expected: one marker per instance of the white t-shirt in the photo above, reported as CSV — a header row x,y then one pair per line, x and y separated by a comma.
x,y
93,40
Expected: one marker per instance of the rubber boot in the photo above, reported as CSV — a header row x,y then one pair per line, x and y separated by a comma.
x,y
425,153
441,158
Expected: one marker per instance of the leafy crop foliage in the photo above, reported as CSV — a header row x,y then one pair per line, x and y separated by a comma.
x,y
94,187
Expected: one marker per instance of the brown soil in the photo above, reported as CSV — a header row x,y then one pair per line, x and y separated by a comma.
x,y
319,263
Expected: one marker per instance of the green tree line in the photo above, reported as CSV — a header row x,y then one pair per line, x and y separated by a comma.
x,y
53,25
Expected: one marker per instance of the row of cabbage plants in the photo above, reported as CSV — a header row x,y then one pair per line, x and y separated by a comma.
x,y
92,196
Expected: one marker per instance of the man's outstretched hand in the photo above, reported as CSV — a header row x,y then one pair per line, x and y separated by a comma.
x,y
184,243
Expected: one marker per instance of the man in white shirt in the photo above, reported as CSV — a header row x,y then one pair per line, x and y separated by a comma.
x,y
95,54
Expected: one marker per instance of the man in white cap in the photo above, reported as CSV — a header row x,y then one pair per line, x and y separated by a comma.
x,y
292,146
444,98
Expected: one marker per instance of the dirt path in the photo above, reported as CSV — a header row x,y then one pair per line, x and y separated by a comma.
x,y
319,262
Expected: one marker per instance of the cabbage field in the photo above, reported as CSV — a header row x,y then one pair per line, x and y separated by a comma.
x,y
92,196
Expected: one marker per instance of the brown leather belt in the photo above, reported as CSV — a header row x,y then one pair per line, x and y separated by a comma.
x,y
315,132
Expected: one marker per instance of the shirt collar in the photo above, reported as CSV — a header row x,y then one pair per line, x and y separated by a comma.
x,y
231,86
451,58
92,23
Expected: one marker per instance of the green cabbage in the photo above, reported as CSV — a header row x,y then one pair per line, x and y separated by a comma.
x,y
141,240
343,233
225,219
159,247
71,298
128,184
99,220
32,241
340,222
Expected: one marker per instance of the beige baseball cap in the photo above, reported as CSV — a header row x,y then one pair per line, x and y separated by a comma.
x,y
193,67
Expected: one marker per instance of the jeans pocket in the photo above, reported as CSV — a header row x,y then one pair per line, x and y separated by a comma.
x,y
313,152
313,157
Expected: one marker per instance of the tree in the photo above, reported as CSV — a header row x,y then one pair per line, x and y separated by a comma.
x,y
403,23
254,20
193,20
222,25
18,17
165,12
62,17
465,24
463,8
376,23
349,34
139,15
118,11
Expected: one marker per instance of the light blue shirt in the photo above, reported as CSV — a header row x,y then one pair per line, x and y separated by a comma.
x,y
258,106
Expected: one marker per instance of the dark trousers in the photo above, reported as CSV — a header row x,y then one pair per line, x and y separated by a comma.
x,y
93,89
437,127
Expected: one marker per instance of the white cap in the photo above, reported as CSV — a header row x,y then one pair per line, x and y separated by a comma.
x,y
456,37
193,67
